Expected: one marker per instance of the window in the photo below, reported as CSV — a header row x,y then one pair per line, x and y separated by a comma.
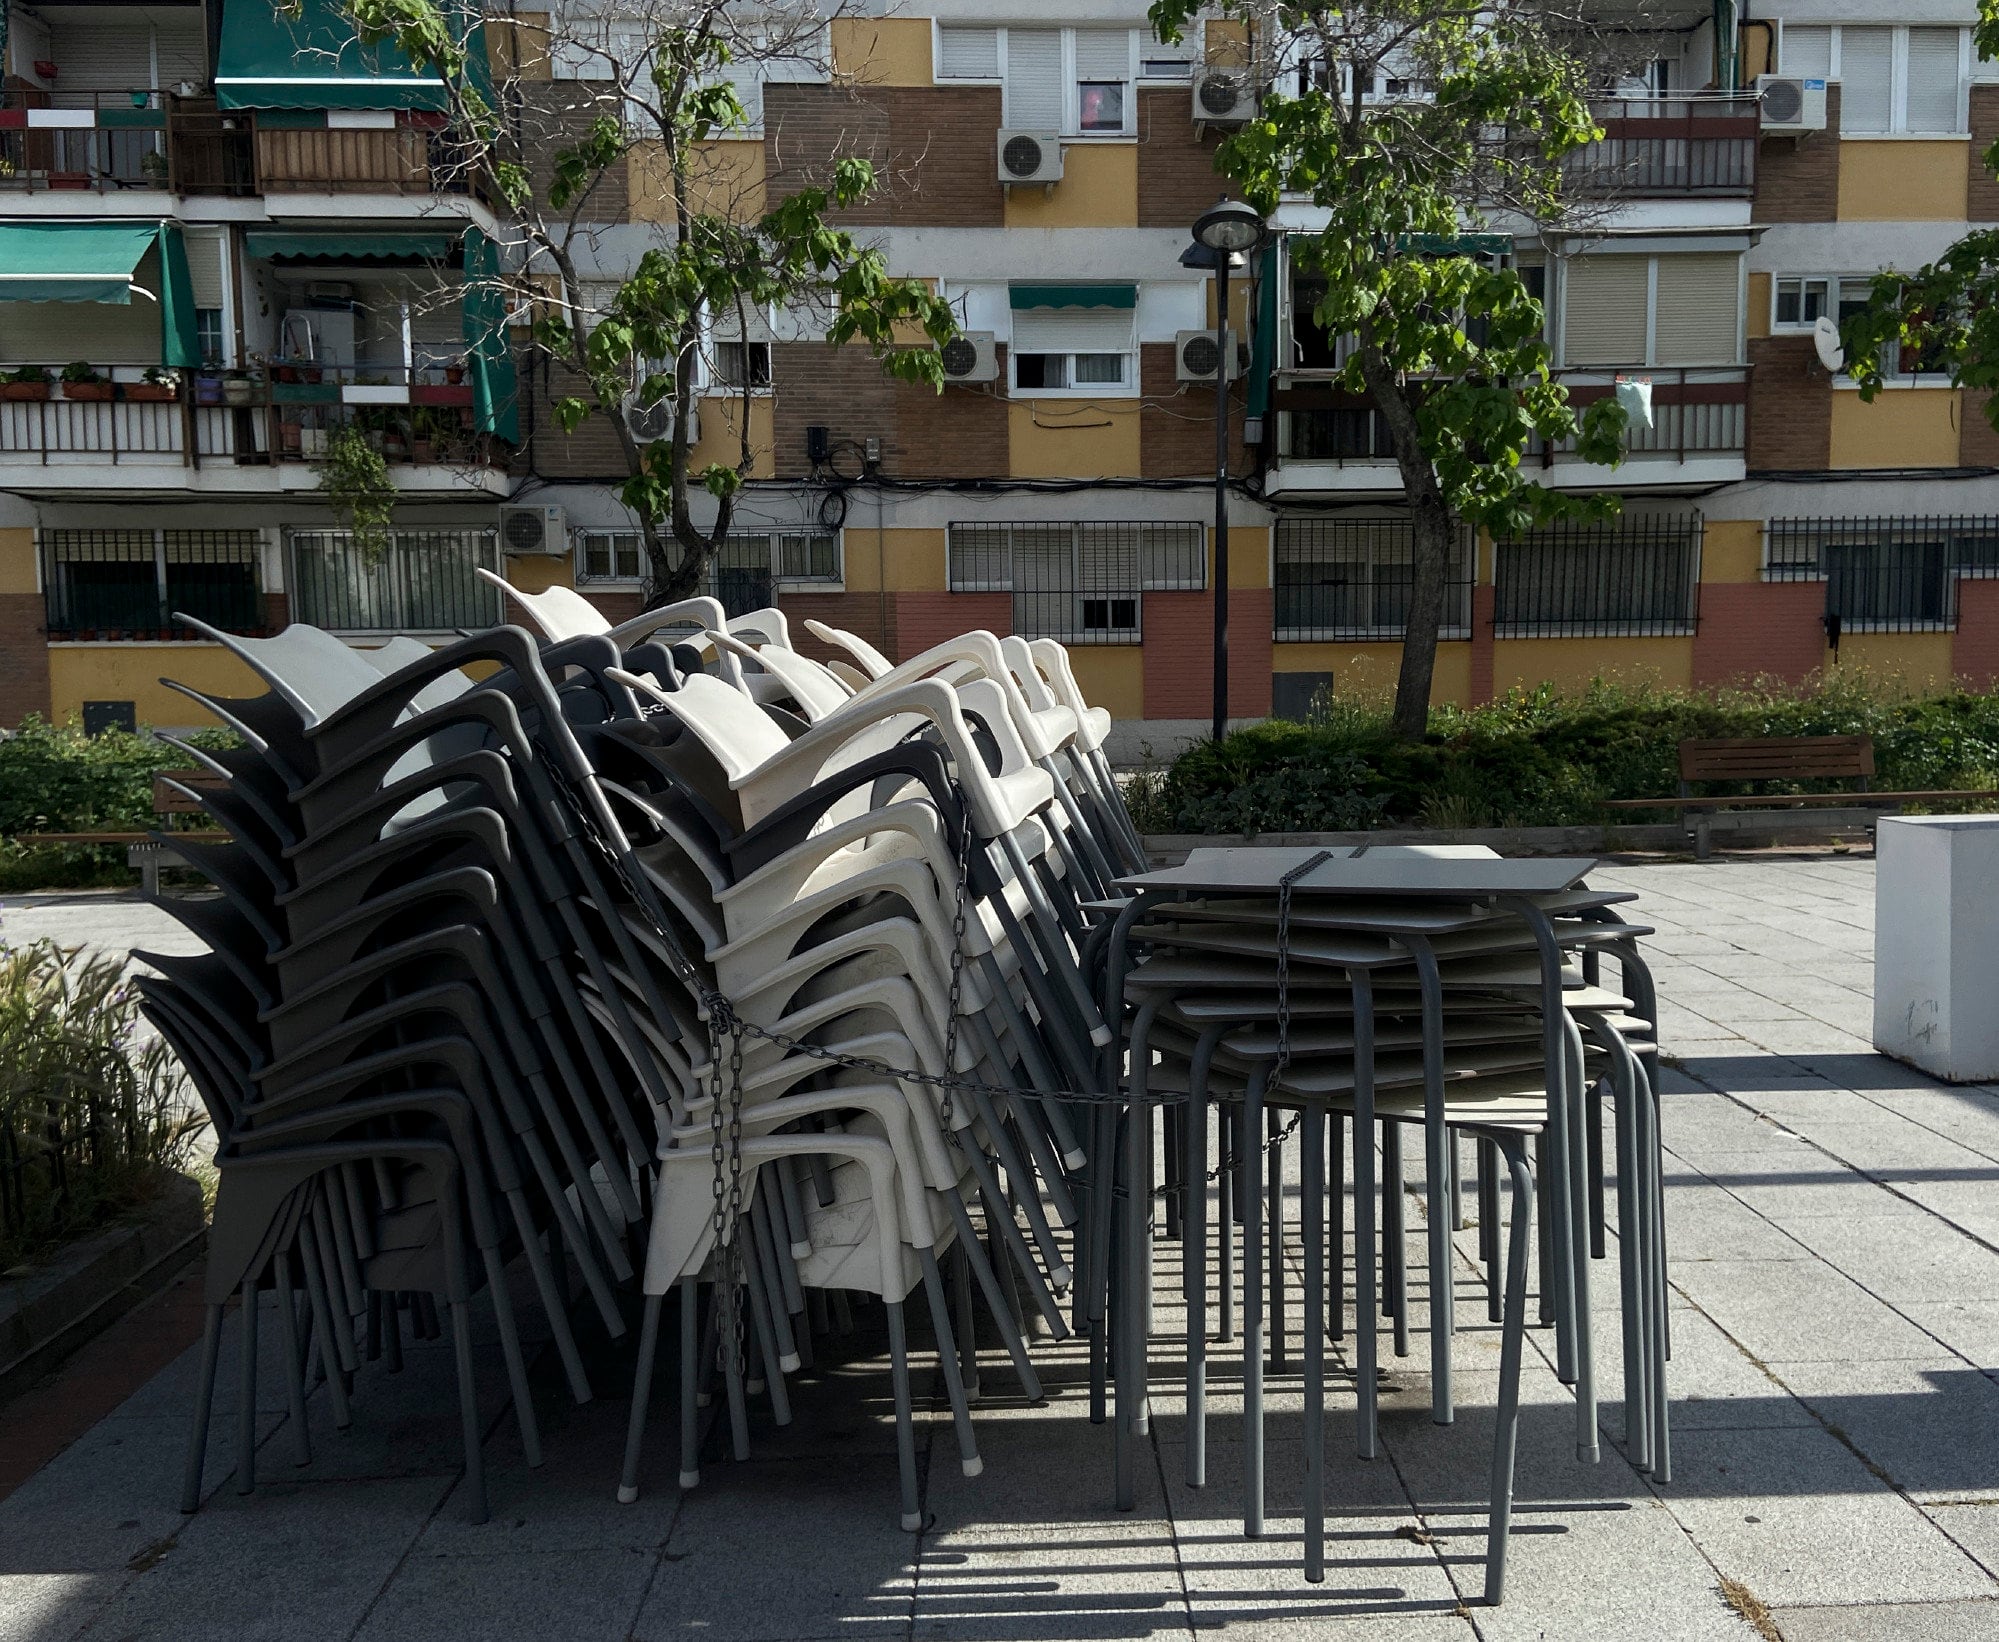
x,y
744,574
1803,302
1637,576
133,583
1799,301
742,364
208,335
1885,575
1074,352
1892,80
1680,309
1351,579
1077,81
424,581
1082,583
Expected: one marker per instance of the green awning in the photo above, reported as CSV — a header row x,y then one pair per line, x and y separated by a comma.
x,y
308,55
1263,335
342,247
495,395
99,262
1072,296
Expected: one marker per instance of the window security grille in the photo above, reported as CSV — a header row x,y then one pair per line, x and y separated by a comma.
x,y
1351,579
1637,575
131,584
1081,583
424,581
1888,575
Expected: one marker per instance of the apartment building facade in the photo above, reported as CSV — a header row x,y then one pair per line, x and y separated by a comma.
x,y
254,246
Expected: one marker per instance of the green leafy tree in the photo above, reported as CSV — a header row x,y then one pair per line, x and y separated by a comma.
x,y
1446,344
654,91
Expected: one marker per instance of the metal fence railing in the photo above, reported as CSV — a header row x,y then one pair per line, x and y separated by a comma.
x,y
1638,576
1082,583
1885,575
1677,143
1340,578
131,584
421,581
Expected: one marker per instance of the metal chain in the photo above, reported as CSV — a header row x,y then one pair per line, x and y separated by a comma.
x,y
958,911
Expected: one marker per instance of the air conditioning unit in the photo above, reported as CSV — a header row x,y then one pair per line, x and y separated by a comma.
x,y
649,423
1197,355
529,531
970,357
1222,96
331,293
1791,105
1030,156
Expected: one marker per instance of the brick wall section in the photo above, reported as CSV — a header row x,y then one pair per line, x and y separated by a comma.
x,y
1177,179
1974,647
591,452
24,658
865,615
1982,195
1483,602
958,434
1179,647
617,604
1977,441
1790,405
556,114
933,148
1797,178
924,619
1759,629
277,612
1176,438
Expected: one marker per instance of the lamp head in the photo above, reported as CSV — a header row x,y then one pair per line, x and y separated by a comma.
x,y
1229,226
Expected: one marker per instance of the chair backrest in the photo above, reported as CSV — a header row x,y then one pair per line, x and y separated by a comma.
x,y
815,690
734,728
872,661
316,673
1776,758
560,612
769,624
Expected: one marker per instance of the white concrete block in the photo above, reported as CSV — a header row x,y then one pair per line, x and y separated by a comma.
x,y
1936,944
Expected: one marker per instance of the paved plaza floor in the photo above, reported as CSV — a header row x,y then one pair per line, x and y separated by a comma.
x,y
1833,1229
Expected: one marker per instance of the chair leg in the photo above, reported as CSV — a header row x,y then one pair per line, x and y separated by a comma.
x,y
947,1361
690,1376
905,1432
767,1347
1336,1232
468,1413
510,1351
246,1407
1252,1312
204,1400
1313,1191
964,1323
294,1381
635,1427
1273,1167
1489,1246
1194,1279
1395,1233
1506,1437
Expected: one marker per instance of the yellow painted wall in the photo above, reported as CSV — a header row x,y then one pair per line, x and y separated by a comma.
x,y
1758,316
1099,189
1366,672
882,51
132,672
1249,556
1072,438
1902,181
1922,660
1111,676
1238,304
17,561
1756,43
517,46
721,438
912,559
537,573
1226,41
1904,428
724,179
1570,664
1732,551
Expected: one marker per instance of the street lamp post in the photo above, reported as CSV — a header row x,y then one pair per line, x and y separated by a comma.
x,y
1228,233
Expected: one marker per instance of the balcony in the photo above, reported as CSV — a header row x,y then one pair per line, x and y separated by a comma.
x,y
1678,145
241,433
1331,442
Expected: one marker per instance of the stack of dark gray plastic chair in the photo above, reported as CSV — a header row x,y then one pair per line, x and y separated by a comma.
x,y
759,985
1443,992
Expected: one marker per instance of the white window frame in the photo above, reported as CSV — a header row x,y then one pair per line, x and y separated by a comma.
x,y
1898,78
1127,389
619,540
1072,94
1835,283
1801,326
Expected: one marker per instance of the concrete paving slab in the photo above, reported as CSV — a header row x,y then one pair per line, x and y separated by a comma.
x,y
1793,1311
52,1607
1968,1327
1916,1258
1931,1428
521,1596
1892,1622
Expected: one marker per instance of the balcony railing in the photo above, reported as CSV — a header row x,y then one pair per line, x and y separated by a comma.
x,y
1697,411
412,415
1676,144
406,159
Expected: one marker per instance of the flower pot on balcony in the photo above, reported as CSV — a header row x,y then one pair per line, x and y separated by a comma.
x,y
210,390
238,391
440,393
288,438
148,393
393,449
454,374
24,390
88,390
73,180
421,450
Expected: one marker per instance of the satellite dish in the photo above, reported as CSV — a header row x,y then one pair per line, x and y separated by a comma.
x,y
1825,338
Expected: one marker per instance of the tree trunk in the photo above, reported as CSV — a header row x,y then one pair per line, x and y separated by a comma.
x,y
1430,554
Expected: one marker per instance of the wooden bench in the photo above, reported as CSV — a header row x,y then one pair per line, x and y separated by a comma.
x,y
1780,758
143,850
